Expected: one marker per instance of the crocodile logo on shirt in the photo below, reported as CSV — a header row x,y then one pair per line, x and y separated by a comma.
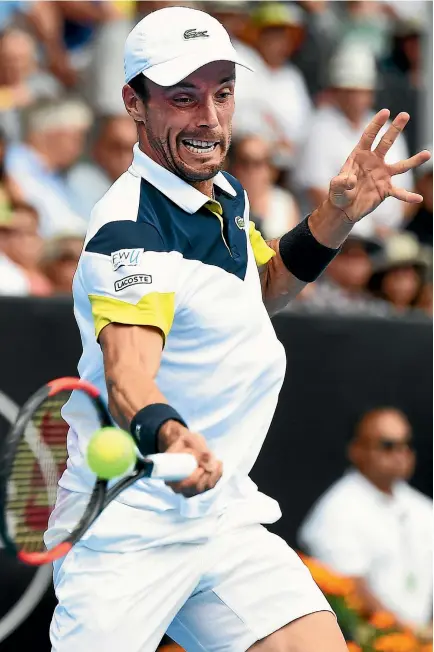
x,y
239,221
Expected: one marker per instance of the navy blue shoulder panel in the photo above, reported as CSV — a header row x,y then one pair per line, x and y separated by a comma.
x,y
163,226
125,234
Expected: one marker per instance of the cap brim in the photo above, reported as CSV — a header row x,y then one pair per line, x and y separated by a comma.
x,y
172,72
384,266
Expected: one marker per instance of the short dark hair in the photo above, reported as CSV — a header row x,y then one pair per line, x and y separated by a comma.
x,y
370,414
140,87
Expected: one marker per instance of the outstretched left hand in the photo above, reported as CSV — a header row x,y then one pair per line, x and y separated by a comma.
x,y
365,180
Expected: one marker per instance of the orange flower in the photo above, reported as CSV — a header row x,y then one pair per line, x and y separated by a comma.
x,y
329,582
353,647
355,602
382,620
426,648
396,643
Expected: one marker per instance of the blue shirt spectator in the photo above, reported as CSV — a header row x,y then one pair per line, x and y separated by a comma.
x,y
55,137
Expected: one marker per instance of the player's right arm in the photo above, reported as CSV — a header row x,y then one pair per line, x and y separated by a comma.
x,y
132,356
132,296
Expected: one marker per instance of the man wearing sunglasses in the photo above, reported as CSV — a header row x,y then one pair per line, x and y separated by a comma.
x,y
373,526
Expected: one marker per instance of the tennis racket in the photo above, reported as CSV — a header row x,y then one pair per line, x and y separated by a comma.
x,y
32,460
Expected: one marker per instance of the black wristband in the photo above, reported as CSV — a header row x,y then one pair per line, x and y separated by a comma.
x,y
303,255
146,424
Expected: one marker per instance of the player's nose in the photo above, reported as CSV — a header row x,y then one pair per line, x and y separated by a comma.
x,y
207,114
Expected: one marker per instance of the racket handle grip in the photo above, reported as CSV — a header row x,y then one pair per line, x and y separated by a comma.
x,y
172,467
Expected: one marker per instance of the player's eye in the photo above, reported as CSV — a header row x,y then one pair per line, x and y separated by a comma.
x,y
183,100
224,94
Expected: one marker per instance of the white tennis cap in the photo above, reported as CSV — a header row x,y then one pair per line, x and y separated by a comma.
x,y
171,43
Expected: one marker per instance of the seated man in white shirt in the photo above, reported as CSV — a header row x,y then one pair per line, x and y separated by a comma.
x,y
372,526
333,131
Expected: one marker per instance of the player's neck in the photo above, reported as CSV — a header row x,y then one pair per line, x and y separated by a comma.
x,y
205,187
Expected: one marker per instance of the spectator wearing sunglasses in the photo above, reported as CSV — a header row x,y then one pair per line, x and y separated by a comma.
x,y
371,525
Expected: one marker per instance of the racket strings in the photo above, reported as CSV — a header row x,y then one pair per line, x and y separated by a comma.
x,y
39,463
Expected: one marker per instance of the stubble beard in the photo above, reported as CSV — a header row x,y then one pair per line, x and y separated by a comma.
x,y
174,164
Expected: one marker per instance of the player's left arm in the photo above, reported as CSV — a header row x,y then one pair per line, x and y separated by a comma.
x,y
279,284
363,183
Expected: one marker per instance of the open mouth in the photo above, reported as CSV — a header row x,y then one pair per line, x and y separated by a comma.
x,y
200,146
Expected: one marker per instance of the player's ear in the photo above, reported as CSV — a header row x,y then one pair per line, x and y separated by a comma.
x,y
133,104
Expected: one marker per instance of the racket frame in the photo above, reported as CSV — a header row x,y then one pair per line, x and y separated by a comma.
x,y
7,455
100,497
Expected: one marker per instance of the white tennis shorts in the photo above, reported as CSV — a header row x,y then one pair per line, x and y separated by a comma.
x,y
222,594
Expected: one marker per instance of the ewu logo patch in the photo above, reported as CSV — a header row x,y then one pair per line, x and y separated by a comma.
x,y
126,258
134,279
193,33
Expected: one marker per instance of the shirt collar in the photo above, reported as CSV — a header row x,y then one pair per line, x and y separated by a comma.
x,y
175,188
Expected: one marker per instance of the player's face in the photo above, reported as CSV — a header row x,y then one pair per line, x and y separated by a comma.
x,y
187,127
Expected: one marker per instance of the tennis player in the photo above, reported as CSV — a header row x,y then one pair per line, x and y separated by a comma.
x,y
172,297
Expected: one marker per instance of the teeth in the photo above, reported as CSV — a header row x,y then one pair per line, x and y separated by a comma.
x,y
201,143
198,146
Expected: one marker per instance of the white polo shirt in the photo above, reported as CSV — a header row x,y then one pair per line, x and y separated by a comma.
x,y
330,140
158,252
362,532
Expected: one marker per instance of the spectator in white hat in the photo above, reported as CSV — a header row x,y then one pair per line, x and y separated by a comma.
x,y
55,137
334,132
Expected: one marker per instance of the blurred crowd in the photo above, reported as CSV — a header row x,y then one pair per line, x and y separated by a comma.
x,y
321,69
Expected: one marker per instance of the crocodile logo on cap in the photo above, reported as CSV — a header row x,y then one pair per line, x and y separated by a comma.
x,y
193,33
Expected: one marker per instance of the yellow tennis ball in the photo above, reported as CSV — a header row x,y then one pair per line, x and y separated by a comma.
x,y
111,452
